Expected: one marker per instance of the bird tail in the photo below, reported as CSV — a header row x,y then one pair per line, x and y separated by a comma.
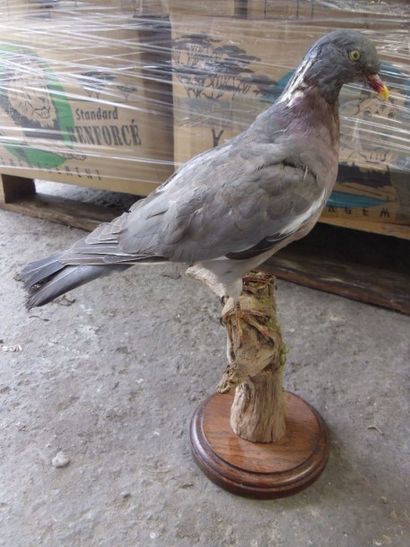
x,y
48,278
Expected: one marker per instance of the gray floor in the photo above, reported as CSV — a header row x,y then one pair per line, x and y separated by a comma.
x,y
111,377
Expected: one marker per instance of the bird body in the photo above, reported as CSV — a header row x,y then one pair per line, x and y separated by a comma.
x,y
230,208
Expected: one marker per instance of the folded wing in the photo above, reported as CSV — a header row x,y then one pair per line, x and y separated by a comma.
x,y
238,200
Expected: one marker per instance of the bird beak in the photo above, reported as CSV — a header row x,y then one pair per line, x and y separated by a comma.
x,y
376,83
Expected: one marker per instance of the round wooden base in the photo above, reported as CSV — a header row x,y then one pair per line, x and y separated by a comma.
x,y
259,470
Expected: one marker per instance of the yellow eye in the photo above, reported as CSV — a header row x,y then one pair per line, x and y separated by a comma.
x,y
354,55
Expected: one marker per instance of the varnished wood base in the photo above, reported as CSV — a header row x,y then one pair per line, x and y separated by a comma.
x,y
259,470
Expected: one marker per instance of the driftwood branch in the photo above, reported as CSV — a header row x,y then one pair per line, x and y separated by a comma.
x,y
256,358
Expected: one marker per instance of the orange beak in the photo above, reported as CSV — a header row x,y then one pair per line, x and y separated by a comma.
x,y
376,83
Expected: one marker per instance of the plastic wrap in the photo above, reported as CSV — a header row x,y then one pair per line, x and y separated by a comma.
x,y
84,96
114,94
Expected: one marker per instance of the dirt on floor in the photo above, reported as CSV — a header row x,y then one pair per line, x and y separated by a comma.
x,y
96,398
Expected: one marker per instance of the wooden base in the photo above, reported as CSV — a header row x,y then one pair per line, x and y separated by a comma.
x,y
259,470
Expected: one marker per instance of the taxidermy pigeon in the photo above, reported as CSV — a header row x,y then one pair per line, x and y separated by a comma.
x,y
227,210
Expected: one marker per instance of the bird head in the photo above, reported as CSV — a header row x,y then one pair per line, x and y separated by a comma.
x,y
342,57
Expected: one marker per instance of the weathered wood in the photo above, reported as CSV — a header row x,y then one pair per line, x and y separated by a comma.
x,y
121,184
256,356
360,283
13,188
64,211
258,411
364,267
259,470
383,228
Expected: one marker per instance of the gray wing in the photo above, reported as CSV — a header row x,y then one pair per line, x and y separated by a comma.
x,y
225,201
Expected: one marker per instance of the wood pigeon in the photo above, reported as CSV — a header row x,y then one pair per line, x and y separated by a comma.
x,y
227,210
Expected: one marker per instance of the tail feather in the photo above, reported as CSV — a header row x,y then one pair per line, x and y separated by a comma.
x,y
48,278
40,270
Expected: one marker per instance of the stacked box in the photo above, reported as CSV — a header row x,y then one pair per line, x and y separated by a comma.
x,y
84,97
88,93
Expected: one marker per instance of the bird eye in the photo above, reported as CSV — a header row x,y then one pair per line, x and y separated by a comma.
x,y
354,55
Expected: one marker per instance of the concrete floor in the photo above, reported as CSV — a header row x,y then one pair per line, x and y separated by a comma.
x,y
111,376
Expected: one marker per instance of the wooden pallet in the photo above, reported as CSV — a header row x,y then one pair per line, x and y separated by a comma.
x,y
19,195
382,228
367,267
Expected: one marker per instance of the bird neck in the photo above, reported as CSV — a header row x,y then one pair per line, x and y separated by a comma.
x,y
317,75
311,102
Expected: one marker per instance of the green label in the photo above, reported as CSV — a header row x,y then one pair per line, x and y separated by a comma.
x,y
35,101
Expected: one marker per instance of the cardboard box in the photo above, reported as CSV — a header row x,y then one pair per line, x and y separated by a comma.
x,y
84,100
214,8
352,14
229,70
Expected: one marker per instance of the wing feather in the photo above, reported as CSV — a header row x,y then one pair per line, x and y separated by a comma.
x,y
230,200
